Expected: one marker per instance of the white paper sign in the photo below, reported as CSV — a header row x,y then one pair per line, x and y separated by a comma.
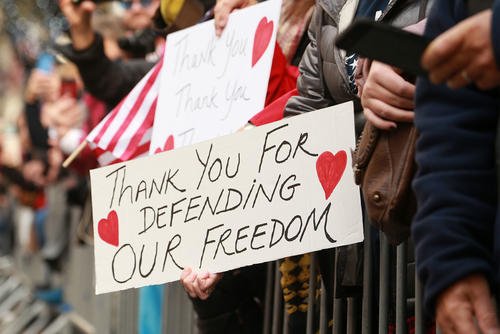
x,y
279,190
212,86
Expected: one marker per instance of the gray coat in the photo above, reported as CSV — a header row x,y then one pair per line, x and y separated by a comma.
x,y
323,78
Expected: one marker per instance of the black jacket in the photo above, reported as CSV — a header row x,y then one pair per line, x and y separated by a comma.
x,y
108,80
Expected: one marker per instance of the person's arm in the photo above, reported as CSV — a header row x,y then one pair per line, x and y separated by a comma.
x,y
455,189
313,94
107,80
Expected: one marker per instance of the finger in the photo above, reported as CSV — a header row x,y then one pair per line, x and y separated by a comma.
x,y
221,14
484,310
189,284
457,322
198,291
396,85
442,48
390,113
207,283
377,121
458,80
381,93
452,67
184,274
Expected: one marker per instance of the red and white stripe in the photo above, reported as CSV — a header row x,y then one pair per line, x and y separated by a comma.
x,y
125,133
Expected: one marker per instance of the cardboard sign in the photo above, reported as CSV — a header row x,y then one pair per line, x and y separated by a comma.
x,y
279,190
212,86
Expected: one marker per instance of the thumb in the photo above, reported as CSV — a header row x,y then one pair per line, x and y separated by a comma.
x,y
444,46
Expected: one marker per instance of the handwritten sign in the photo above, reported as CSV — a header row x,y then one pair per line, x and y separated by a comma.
x,y
212,86
282,189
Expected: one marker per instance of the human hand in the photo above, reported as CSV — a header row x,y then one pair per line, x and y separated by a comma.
x,y
199,285
42,85
464,54
466,307
222,10
63,114
386,97
79,18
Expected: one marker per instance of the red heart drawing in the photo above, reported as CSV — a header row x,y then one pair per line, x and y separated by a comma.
x,y
330,168
108,228
261,39
169,145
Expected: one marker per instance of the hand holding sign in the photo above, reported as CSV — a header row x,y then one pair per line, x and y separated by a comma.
x,y
212,86
199,285
222,10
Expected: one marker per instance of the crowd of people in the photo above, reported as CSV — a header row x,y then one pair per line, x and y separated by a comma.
x,y
108,47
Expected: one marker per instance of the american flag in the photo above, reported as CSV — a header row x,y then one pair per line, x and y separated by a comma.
x,y
125,133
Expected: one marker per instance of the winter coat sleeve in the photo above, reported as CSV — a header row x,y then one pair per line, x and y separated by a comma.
x,y
313,93
105,79
455,183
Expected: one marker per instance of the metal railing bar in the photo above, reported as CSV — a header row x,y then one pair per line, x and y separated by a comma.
x,y
419,317
268,302
401,295
311,300
367,302
352,311
383,285
277,301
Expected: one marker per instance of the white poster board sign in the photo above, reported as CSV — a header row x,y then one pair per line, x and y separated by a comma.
x,y
279,190
212,86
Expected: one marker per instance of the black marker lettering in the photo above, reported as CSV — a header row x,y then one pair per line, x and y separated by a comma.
x,y
257,234
152,264
206,242
119,251
170,249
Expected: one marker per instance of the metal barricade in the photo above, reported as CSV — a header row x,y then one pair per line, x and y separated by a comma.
x,y
397,293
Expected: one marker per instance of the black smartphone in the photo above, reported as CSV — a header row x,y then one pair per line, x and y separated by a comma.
x,y
385,43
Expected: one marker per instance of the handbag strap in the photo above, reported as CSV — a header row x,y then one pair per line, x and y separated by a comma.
x,y
423,10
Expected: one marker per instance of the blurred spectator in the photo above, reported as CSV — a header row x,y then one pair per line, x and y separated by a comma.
x,y
139,13
6,221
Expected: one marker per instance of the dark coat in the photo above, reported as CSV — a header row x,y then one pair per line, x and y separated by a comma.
x,y
454,229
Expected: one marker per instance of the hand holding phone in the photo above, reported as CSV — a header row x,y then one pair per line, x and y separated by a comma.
x,y
385,43
45,62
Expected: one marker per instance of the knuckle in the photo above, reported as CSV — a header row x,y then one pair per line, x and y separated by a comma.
x,y
382,112
402,90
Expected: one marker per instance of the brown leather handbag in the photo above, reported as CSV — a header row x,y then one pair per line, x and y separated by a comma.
x,y
384,165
